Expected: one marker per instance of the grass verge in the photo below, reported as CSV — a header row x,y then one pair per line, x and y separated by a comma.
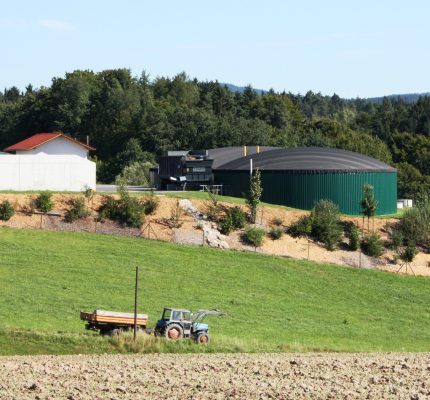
x,y
273,304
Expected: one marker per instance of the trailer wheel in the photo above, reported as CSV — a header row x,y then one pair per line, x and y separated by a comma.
x,y
202,338
115,331
174,332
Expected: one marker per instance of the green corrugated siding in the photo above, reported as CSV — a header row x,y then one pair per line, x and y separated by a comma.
x,y
302,190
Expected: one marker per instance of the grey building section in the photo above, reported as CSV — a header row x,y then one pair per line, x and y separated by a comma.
x,y
224,155
307,159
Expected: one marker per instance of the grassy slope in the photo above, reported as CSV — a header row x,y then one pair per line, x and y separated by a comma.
x,y
273,304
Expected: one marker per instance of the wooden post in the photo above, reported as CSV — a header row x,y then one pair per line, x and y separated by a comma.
x,y
135,304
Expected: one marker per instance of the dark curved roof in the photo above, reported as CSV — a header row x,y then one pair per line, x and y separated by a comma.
x,y
224,155
308,159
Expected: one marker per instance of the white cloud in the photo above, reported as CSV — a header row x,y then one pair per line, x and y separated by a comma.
x,y
57,25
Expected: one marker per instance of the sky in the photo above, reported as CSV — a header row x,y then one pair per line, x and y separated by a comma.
x,y
352,48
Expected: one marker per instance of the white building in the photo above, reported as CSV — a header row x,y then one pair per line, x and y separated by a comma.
x,y
47,161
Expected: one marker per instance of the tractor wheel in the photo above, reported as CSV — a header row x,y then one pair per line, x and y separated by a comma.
x,y
202,338
174,332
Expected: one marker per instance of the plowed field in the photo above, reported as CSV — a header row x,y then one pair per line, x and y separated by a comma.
x,y
240,376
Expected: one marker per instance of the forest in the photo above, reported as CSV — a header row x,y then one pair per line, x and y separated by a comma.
x,y
131,120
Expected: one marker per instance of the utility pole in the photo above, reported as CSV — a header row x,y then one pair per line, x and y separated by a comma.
x,y
135,303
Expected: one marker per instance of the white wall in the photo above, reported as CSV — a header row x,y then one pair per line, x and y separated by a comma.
x,y
46,172
59,146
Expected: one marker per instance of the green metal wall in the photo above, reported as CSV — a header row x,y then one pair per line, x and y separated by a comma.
x,y
302,190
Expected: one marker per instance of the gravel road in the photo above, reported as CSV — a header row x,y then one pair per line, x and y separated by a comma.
x,y
218,376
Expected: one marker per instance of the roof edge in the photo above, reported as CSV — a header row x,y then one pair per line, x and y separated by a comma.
x,y
55,135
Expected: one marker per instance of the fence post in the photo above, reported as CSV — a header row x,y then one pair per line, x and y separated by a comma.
x,y
135,303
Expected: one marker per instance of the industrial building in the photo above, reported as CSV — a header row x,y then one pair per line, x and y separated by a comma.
x,y
299,177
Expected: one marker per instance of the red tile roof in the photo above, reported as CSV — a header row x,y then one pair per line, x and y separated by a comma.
x,y
40,138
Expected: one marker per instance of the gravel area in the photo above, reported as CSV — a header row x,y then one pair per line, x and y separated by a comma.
x,y
217,376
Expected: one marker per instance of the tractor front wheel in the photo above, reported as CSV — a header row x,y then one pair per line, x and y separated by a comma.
x,y
174,332
202,338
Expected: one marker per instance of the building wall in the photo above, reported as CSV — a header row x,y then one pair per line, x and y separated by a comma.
x,y
43,172
302,190
59,146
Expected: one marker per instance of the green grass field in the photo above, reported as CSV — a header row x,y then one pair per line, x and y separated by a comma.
x,y
273,304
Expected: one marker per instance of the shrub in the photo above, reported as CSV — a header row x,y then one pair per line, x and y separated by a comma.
x,y
214,210
6,210
226,225
409,252
276,233
372,245
237,217
326,223
88,193
43,202
130,211
77,210
277,221
176,214
253,236
415,224
126,210
354,237
108,209
397,238
150,204
301,227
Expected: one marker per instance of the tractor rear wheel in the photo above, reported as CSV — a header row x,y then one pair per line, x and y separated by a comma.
x,y
174,332
202,338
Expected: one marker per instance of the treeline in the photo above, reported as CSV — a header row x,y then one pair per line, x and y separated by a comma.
x,y
131,120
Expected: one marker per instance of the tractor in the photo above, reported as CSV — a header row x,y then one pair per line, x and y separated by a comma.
x,y
177,324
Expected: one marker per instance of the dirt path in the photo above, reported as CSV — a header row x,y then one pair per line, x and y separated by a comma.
x,y
236,376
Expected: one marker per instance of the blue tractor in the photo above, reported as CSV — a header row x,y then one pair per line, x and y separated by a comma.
x,y
176,324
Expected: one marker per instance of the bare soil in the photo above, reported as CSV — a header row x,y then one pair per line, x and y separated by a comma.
x,y
189,232
220,376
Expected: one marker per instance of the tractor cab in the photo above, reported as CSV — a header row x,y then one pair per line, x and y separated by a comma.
x,y
178,323
177,317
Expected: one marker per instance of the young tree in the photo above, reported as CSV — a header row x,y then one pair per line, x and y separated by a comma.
x,y
44,204
407,255
254,195
368,204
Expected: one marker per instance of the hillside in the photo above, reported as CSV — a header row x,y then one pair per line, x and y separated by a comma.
x,y
190,232
408,97
273,304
